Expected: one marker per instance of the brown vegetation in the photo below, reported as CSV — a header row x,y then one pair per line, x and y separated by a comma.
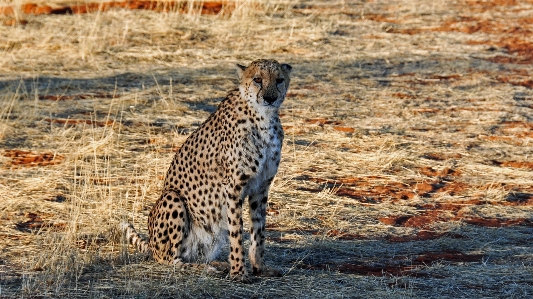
x,y
204,7
28,158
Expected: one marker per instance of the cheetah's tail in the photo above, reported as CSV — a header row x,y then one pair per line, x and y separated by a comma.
x,y
134,238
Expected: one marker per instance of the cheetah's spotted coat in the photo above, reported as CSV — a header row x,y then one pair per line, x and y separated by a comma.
x,y
232,157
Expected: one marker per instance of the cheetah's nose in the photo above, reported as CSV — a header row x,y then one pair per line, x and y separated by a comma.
x,y
269,99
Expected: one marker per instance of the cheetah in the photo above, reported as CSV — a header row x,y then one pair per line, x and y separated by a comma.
x,y
233,156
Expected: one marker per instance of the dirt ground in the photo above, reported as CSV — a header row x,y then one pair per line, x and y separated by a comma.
x,y
407,168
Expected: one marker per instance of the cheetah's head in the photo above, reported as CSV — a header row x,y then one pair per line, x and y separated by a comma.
x,y
264,82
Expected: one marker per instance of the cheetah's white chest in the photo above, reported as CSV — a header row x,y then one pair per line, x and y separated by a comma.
x,y
268,164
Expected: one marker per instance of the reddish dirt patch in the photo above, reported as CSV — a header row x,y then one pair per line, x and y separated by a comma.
x,y
27,158
377,193
422,220
513,77
344,129
323,121
205,7
521,50
368,192
506,139
400,266
287,127
514,164
453,211
393,220
77,97
454,188
424,188
513,132
36,222
80,121
516,81
448,256
272,212
470,25
511,27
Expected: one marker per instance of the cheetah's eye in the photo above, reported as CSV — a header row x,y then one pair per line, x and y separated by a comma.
x,y
279,80
258,80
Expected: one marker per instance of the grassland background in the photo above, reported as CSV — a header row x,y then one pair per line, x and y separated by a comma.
x,y
407,166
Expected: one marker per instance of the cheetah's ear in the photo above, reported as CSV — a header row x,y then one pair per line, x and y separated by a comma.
x,y
287,68
240,70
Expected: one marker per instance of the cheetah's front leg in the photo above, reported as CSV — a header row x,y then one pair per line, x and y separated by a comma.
x,y
236,256
258,203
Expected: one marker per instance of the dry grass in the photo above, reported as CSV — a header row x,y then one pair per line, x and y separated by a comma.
x,y
406,170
